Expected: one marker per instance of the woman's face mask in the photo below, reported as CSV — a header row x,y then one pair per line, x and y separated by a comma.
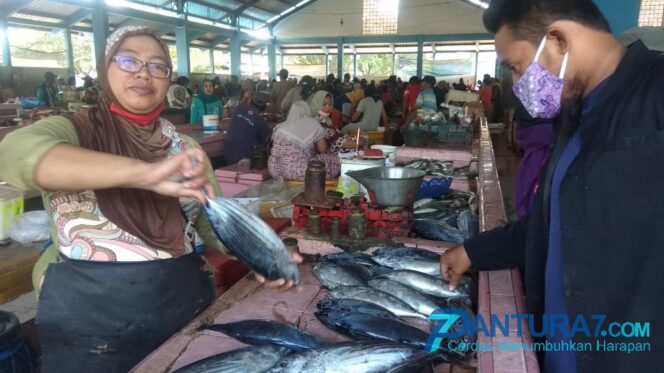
x,y
539,90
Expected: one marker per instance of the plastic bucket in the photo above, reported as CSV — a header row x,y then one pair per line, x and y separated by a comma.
x,y
390,154
211,123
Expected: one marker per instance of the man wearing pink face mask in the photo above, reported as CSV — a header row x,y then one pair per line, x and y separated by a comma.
x,y
592,243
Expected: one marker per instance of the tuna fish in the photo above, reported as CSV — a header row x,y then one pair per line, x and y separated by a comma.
x,y
356,306
353,357
332,275
355,257
429,285
361,271
254,359
260,332
377,297
468,223
419,260
438,230
371,328
250,239
416,300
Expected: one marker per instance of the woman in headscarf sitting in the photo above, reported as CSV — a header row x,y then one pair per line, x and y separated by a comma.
x,y
321,108
124,192
206,103
346,103
299,140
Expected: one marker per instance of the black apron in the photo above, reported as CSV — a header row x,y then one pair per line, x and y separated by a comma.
x,y
108,316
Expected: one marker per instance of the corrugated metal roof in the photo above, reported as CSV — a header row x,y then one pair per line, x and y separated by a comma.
x,y
54,21
53,7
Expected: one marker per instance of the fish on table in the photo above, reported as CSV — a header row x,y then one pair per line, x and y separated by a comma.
x,y
261,332
415,259
332,275
380,298
253,359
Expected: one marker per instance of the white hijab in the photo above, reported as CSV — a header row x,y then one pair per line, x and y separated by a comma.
x,y
299,128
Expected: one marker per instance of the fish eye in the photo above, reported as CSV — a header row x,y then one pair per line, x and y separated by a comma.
x,y
283,364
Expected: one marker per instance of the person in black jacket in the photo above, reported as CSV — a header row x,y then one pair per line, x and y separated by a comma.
x,y
593,241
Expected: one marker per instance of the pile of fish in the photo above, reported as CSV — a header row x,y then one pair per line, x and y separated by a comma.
x,y
452,218
433,167
250,239
371,296
372,300
278,347
443,168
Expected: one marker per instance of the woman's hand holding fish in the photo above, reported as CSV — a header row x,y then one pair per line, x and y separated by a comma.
x,y
280,283
180,176
453,264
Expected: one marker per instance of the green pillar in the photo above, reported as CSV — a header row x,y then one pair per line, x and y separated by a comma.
x,y
420,55
70,52
621,14
212,60
340,57
236,55
99,29
182,48
6,52
272,59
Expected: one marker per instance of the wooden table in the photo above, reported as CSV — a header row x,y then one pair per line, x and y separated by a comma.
x,y
212,143
16,262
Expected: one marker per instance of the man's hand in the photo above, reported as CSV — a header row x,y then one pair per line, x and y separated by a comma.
x,y
453,264
280,283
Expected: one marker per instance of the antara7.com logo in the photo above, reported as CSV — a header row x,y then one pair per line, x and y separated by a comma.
x,y
457,329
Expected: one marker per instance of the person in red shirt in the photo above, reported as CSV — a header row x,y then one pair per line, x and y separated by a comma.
x,y
409,109
485,96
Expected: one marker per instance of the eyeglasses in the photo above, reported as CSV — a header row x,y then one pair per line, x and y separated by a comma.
x,y
134,65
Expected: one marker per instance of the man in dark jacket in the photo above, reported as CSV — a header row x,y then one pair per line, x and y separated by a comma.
x,y
592,244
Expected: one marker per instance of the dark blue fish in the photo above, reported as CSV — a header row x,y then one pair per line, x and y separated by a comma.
x,y
254,359
260,332
438,231
371,328
468,223
250,239
356,306
355,257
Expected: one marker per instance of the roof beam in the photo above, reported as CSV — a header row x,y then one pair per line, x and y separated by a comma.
x,y
219,40
14,6
36,13
296,8
387,39
165,29
78,16
245,6
42,25
196,35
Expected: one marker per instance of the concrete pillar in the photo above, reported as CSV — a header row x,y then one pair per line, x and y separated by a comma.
x,y
340,57
420,55
272,59
182,49
69,50
212,60
99,29
6,52
236,55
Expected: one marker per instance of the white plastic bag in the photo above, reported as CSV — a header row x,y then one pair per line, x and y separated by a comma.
x,y
33,226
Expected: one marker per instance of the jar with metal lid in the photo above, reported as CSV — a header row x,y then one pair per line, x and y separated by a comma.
x,y
313,222
335,227
291,244
314,182
357,224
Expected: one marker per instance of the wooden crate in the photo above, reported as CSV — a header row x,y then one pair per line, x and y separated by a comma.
x,y
375,137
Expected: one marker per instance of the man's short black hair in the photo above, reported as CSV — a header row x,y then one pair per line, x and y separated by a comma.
x,y
430,80
283,74
529,19
182,80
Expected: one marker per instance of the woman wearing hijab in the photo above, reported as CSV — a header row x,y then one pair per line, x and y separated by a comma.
x,y
206,103
123,190
321,108
298,140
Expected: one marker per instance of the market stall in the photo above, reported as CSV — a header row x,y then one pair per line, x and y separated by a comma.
x,y
499,292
